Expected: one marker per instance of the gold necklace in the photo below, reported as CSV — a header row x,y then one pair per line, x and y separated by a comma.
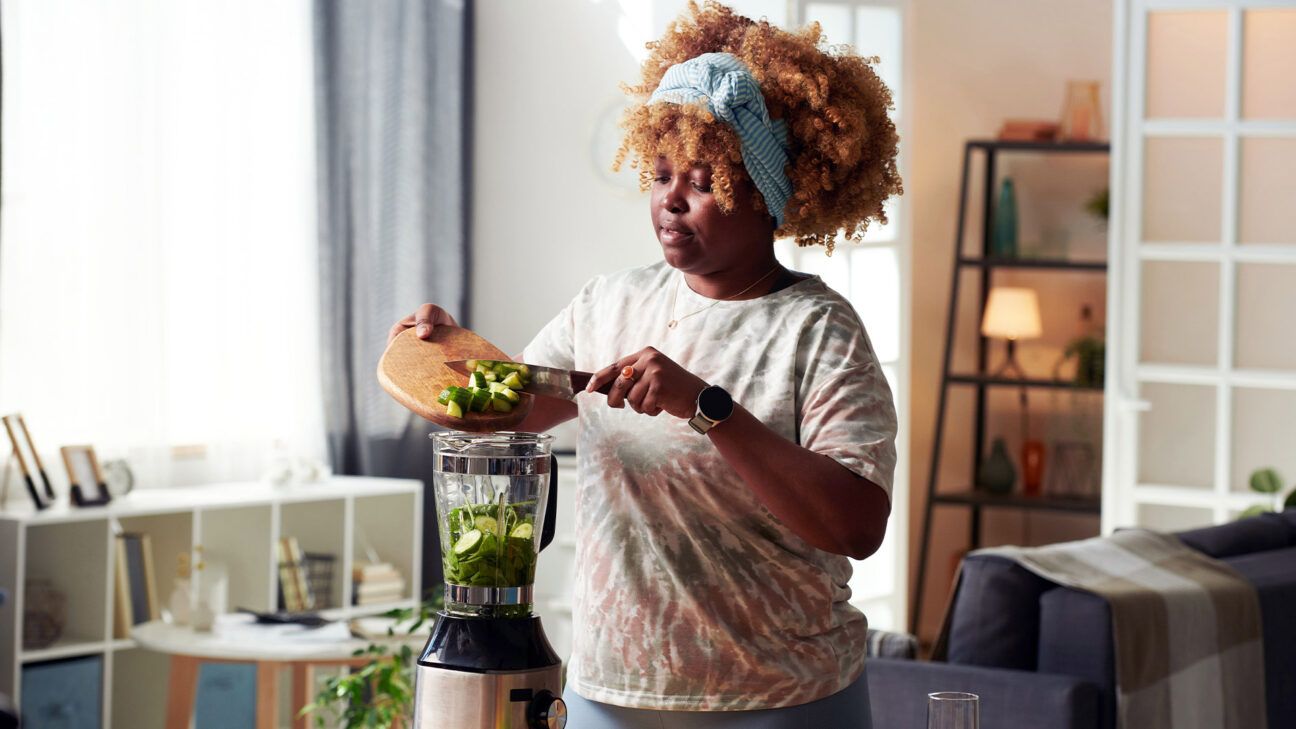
x,y
675,298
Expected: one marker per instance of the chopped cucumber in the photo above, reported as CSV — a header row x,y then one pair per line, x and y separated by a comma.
x,y
477,379
461,396
453,409
512,396
523,531
472,364
513,381
486,524
444,397
468,543
490,376
496,386
480,399
500,403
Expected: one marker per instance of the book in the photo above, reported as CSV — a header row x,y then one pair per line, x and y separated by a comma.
x,y
136,588
372,571
382,588
292,576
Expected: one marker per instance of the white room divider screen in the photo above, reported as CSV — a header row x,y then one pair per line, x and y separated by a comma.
x,y
874,276
1203,361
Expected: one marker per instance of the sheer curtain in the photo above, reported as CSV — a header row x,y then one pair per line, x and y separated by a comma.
x,y
158,272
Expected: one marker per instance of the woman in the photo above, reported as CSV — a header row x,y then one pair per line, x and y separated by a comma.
x,y
746,447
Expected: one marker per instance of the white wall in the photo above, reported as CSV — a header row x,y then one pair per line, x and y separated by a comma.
x,y
546,217
544,221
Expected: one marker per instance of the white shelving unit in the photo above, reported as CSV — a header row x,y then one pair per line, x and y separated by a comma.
x,y
236,524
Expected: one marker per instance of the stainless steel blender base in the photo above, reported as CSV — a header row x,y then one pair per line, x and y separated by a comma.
x,y
452,699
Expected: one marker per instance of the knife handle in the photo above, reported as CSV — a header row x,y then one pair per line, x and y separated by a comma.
x,y
581,379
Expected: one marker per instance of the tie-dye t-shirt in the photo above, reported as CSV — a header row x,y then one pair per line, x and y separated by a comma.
x,y
690,594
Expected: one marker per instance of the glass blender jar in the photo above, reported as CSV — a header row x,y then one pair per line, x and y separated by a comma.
x,y
488,663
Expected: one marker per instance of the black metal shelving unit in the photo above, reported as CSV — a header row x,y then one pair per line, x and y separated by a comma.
x,y
969,497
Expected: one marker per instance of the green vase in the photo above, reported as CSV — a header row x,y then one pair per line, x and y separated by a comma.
x,y
997,473
1003,241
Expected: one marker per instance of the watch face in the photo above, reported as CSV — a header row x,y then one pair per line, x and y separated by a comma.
x,y
715,403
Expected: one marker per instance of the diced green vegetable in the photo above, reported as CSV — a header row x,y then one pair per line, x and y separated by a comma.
x,y
513,381
501,403
468,543
477,379
461,396
453,409
512,396
480,556
491,376
444,397
480,399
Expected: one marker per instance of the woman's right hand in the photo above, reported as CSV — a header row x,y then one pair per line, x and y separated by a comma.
x,y
424,318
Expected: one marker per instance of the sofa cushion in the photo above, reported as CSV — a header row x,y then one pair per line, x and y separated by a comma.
x,y
1273,574
995,619
1255,534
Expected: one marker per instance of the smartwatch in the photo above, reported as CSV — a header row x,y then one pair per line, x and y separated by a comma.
x,y
714,406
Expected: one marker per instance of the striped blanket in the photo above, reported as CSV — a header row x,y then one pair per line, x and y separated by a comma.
x,y
1186,628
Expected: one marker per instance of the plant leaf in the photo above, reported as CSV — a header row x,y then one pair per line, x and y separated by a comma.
x,y
1265,481
1256,510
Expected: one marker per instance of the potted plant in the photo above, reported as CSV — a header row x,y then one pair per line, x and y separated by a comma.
x,y
379,694
1267,481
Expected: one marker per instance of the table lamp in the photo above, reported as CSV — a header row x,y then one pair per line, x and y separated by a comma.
x,y
1011,313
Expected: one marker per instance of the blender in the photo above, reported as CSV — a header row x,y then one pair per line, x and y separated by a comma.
x,y
488,663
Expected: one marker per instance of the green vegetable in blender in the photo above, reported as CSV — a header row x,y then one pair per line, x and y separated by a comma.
x,y
480,556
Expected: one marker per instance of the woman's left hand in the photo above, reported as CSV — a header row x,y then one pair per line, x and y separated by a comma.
x,y
651,383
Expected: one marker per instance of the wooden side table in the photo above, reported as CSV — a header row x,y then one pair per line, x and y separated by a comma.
x,y
190,649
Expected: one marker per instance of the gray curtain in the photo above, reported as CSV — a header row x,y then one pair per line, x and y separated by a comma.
x,y
393,85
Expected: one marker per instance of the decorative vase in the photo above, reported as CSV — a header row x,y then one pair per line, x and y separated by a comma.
x,y
1032,467
1003,242
44,614
180,603
997,474
1081,117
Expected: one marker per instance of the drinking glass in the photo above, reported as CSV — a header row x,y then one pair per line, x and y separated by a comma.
x,y
953,710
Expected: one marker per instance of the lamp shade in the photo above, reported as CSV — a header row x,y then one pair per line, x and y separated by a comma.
x,y
1011,313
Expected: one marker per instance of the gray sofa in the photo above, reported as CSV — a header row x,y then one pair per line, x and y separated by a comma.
x,y
1041,655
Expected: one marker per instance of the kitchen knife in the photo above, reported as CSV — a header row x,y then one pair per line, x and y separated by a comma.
x,y
546,381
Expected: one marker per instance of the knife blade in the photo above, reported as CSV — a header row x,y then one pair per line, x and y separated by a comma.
x,y
545,381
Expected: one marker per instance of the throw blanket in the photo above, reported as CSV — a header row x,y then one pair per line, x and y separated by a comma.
x,y
1186,628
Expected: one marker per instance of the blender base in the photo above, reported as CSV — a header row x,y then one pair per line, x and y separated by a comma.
x,y
455,699
492,673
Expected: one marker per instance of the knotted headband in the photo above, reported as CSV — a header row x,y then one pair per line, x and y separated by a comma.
x,y
733,96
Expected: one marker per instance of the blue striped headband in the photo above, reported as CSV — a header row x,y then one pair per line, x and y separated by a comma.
x,y
733,96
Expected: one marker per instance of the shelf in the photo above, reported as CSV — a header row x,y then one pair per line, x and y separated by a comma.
x,y
987,381
1021,501
63,648
1045,147
1035,263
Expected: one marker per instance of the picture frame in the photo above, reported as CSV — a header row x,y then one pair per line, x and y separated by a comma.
x,y
29,462
85,476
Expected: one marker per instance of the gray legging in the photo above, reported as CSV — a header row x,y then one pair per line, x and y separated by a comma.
x,y
846,709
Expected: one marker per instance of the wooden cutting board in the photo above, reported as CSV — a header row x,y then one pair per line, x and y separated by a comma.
x,y
413,371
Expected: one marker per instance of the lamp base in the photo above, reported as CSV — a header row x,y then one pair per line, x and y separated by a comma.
x,y
1010,369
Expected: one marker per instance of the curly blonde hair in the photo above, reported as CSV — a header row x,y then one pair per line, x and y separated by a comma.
x,y
843,143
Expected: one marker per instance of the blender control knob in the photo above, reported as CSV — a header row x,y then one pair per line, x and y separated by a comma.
x,y
547,712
